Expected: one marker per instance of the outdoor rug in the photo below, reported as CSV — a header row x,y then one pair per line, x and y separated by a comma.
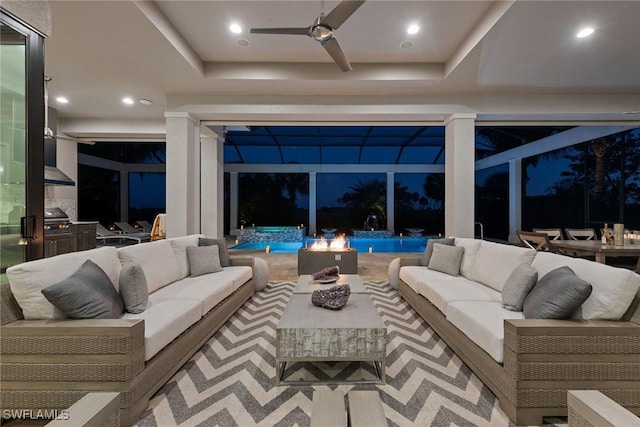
x,y
231,380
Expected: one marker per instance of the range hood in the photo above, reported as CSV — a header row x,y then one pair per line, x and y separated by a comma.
x,y
54,176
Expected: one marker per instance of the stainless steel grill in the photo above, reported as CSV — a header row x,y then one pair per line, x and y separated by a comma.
x,y
56,222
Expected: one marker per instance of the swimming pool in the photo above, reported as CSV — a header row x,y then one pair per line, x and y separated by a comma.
x,y
392,244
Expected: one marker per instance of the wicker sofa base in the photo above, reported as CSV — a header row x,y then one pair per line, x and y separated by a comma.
x,y
81,356
545,358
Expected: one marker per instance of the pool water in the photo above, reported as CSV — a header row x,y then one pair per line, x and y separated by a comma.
x,y
392,244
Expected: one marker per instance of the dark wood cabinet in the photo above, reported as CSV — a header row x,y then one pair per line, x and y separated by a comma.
x,y
84,236
58,244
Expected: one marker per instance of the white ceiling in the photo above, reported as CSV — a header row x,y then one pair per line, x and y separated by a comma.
x,y
499,54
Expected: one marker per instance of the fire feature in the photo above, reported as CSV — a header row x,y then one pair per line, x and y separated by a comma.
x,y
324,254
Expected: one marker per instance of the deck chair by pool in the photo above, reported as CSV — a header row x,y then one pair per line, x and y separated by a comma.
x,y
104,235
131,231
145,226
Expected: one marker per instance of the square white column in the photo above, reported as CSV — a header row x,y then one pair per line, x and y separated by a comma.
x,y
515,198
183,175
459,169
212,185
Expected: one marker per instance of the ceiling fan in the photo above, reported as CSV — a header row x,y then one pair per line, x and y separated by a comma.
x,y
322,30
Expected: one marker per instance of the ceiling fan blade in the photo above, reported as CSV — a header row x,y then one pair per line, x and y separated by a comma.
x,y
341,13
296,31
333,48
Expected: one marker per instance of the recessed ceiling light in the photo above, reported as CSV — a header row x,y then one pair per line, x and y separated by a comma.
x,y
585,32
145,101
235,28
413,29
127,100
406,44
242,42
62,100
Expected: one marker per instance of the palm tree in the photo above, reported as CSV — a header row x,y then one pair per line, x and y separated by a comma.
x,y
365,198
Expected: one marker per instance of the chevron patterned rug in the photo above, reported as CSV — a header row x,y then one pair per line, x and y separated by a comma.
x,y
231,380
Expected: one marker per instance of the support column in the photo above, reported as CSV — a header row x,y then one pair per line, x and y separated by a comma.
x,y
515,198
124,195
233,203
390,202
183,175
312,204
212,185
459,167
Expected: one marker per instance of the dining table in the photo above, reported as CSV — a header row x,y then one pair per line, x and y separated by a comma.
x,y
600,250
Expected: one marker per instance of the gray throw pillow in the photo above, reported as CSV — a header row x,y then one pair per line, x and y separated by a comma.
x,y
428,251
86,294
133,287
203,259
446,259
518,286
557,295
225,259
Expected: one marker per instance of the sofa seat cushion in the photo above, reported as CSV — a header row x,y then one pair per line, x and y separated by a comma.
x,y
29,278
483,323
209,289
165,320
612,290
241,274
442,289
157,259
412,275
495,262
179,246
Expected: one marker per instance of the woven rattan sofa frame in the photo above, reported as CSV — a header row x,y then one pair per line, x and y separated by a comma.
x,y
545,358
51,364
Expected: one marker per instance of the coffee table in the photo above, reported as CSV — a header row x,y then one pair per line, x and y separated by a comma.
x,y
307,333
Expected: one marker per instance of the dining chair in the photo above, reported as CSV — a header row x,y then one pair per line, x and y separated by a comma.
x,y
553,233
537,241
580,233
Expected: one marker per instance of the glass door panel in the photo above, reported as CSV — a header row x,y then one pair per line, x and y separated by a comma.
x,y
12,146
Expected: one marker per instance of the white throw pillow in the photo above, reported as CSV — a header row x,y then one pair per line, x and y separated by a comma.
x,y
179,246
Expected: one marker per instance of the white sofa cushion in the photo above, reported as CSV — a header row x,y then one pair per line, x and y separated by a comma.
x,y
179,246
442,289
495,262
412,275
28,279
483,323
241,274
164,320
208,289
471,247
157,259
612,291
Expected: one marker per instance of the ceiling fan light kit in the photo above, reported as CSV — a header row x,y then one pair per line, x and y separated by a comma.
x,y
322,30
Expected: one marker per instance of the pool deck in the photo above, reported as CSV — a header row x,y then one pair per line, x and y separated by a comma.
x,y
282,267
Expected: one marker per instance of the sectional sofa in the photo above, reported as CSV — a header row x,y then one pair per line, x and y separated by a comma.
x,y
49,361
530,363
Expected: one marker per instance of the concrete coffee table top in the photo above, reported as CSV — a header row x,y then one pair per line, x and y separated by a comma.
x,y
307,285
309,333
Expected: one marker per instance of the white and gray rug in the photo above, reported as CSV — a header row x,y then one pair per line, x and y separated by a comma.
x,y
231,380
